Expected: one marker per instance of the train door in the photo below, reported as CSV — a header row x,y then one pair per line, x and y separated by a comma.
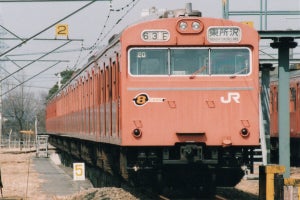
x,y
115,113
293,108
86,107
273,111
96,105
69,110
108,100
82,113
117,96
82,116
102,104
75,105
78,116
298,108
91,104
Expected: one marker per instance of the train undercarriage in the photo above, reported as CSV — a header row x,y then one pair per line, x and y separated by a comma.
x,y
294,151
191,165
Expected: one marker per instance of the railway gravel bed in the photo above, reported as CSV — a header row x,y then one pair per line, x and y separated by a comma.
x,y
105,193
22,181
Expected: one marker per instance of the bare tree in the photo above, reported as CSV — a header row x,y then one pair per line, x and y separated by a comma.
x,y
19,110
41,112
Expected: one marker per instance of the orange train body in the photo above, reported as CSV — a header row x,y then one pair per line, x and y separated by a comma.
x,y
294,106
185,81
99,103
294,118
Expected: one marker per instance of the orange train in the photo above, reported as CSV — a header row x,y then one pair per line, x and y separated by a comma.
x,y
179,92
294,118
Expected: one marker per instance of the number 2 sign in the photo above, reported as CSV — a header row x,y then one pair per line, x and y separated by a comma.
x,y
78,171
62,30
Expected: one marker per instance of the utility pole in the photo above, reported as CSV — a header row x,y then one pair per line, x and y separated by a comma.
x,y
3,46
0,111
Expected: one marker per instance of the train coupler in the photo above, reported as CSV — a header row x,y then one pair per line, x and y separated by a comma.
x,y
191,152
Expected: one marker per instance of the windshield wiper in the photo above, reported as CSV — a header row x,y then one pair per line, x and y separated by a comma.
x,y
239,72
201,69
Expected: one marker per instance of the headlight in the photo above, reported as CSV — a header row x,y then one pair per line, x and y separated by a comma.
x,y
244,132
183,26
196,26
137,133
189,26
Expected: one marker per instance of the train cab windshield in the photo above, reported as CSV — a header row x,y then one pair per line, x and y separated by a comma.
x,y
189,61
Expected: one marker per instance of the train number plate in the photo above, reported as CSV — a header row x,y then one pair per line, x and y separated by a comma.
x,y
155,35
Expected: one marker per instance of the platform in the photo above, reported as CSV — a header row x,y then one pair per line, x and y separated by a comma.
x,y
57,181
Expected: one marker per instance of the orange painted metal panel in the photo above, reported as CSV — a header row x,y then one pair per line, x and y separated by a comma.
x,y
208,109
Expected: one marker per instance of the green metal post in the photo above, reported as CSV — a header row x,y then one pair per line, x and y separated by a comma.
x,y
284,44
265,69
225,5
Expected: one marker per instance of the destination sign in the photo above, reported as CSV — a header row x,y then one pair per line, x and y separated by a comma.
x,y
224,34
155,35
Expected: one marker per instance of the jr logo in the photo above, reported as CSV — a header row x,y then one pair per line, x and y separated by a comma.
x,y
235,96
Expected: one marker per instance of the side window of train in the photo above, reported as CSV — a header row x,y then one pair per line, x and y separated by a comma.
x,y
292,99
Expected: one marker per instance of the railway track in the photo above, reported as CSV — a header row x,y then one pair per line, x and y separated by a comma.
x,y
222,193
216,197
102,179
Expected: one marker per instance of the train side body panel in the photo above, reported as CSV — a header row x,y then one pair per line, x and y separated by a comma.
x,y
294,108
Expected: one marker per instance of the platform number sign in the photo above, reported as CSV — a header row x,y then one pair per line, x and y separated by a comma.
x,y
62,30
78,171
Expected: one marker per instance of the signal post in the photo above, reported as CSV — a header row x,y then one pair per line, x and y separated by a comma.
x,y
283,41
283,44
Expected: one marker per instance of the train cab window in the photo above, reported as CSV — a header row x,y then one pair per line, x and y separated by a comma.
x,y
149,62
189,61
230,61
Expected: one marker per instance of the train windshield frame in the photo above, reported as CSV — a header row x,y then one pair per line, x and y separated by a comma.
x,y
207,61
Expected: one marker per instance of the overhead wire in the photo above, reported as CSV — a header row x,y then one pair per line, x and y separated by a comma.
x,y
104,33
35,35
133,3
47,28
111,9
34,61
92,48
30,78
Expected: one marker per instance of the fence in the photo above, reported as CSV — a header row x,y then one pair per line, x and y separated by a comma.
x,y
17,144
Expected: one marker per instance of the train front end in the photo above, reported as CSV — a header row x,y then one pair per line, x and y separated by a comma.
x,y
190,93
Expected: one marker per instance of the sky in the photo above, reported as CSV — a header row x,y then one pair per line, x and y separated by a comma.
x,y
92,27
